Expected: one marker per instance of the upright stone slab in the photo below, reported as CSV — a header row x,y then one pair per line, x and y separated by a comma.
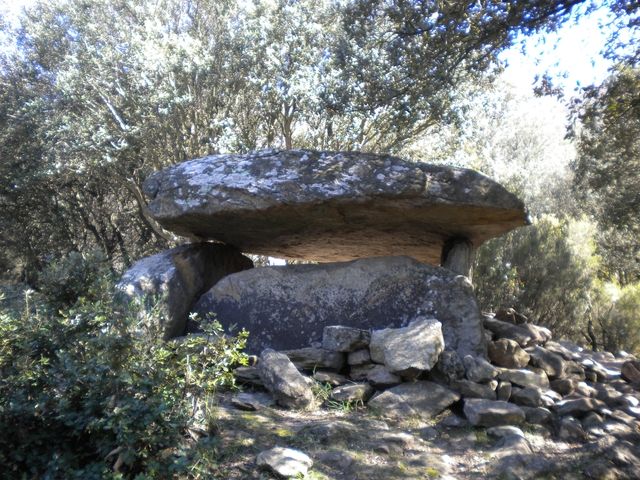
x,y
288,307
177,277
332,206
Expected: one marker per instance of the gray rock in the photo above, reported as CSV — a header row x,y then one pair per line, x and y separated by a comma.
x,y
287,307
478,369
551,363
419,399
469,389
172,280
527,397
504,431
252,401
332,378
507,353
509,331
285,462
564,352
539,334
344,339
359,392
409,350
487,413
380,377
450,366
564,386
585,390
359,373
311,358
526,378
359,357
631,371
571,430
503,392
342,461
247,375
330,206
289,387
578,406
537,415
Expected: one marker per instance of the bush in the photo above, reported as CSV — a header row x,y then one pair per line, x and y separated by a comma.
x,y
76,275
545,271
90,394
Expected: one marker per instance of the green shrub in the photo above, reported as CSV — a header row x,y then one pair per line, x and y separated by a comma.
x,y
76,275
90,394
545,271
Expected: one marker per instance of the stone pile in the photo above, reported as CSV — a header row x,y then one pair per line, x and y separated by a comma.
x,y
408,372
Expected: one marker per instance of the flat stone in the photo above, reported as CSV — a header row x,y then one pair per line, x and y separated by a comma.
x,y
450,366
564,386
527,397
252,401
578,406
332,378
488,413
172,280
526,378
418,399
359,357
285,462
380,377
312,358
409,350
631,371
359,392
289,387
537,415
504,431
330,206
288,307
344,339
507,330
503,392
469,389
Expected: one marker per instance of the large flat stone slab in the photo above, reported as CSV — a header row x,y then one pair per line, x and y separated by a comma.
x,y
288,307
326,206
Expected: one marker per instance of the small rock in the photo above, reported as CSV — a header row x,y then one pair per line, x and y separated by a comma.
x,y
248,375
552,364
359,357
285,462
409,350
478,369
428,433
469,389
380,377
564,352
311,358
591,420
359,373
571,430
419,399
526,377
630,371
341,461
332,378
344,339
507,353
487,413
538,415
352,393
507,330
252,401
503,391
527,397
585,390
504,431
290,388
577,406
564,386
450,366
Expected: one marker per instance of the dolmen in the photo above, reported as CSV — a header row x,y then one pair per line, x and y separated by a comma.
x,y
386,315
395,240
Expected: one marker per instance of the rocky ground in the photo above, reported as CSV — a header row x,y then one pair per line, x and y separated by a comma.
x,y
538,409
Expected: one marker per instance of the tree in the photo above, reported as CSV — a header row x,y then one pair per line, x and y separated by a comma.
x,y
97,94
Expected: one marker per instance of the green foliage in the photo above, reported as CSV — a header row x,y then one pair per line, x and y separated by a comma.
x,y
544,271
93,394
65,280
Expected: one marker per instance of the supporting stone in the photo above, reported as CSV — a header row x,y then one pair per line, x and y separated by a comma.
x,y
458,255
